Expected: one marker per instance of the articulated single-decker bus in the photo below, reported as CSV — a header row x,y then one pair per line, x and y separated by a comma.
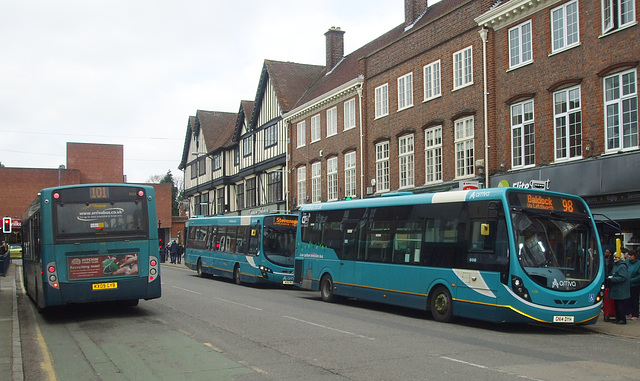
x,y
497,254
251,249
91,243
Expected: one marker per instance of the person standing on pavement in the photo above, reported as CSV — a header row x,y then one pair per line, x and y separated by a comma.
x,y
633,264
174,251
619,281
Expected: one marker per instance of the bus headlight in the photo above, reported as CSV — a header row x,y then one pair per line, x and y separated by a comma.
x,y
600,295
518,287
265,270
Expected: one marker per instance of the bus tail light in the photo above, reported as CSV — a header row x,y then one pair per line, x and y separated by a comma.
x,y
52,276
154,269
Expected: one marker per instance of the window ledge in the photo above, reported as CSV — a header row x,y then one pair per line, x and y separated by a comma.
x,y
512,68
614,31
562,50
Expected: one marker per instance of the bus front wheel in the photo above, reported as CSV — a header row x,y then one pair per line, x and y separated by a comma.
x,y
326,289
441,304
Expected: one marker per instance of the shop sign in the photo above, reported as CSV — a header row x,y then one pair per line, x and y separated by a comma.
x,y
531,184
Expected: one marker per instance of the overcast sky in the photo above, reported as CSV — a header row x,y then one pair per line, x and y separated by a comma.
x,y
131,72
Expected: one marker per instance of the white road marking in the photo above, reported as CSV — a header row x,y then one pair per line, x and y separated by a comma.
x,y
489,368
187,290
329,328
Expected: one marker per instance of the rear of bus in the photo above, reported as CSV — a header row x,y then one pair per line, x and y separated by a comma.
x,y
100,244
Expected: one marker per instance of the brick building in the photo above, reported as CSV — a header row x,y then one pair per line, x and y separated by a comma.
x,y
565,109
424,101
86,163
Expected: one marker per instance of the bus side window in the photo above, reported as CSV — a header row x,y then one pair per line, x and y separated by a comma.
x,y
241,240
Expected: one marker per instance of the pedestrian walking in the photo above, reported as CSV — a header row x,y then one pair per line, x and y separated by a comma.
x,y
633,265
620,293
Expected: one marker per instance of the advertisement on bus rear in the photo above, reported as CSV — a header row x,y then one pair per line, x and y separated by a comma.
x,y
102,266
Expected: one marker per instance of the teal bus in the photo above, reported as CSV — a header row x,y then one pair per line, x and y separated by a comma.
x,y
497,254
91,243
249,249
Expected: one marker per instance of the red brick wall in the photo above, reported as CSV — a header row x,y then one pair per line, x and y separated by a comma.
x,y
577,65
163,203
437,40
98,163
333,146
19,186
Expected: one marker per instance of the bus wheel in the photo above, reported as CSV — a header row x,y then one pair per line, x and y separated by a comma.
x,y
199,268
326,289
441,304
130,302
236,274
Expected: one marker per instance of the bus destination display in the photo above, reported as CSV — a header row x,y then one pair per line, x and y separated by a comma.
x,y
547,202
98,193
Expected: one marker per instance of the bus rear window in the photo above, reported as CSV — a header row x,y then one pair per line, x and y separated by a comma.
x,y
73,221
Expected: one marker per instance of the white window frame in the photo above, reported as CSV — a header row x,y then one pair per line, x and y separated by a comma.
x,y
349,114
316,129
565,27
433,155
567,120
523,145
520,45
621,102
382,101
350,174
617,15
406,161
332,178
432,82
463,68
405,91
464,147
301,134
301,180
316,182
332,121
382,167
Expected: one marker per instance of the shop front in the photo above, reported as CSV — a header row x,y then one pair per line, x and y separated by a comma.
x,y
610,184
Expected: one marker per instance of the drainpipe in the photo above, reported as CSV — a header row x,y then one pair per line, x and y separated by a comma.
x,y
483,35
359,89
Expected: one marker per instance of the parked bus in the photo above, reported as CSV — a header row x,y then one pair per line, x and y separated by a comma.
x,y
91,243
498,254
251,249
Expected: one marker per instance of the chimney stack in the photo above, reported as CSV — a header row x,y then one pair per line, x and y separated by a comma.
x,y
335,46
413,9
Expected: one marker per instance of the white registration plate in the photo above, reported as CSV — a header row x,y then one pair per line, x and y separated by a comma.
x,y
104,286
290,282
563,319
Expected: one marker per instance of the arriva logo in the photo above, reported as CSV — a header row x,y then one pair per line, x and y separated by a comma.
x,y
564,283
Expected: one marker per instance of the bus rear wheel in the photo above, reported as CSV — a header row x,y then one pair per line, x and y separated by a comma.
x,y
199,268
236,275
326,289
441,304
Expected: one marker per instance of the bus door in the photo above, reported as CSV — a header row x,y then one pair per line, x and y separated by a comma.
x,y
486,266
348,247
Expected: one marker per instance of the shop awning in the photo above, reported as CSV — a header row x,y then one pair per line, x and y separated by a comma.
x,y
618,213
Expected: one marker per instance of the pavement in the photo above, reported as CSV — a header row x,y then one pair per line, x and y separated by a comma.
x,y
11,347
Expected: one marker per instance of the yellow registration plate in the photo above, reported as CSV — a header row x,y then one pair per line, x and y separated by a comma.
x,y
104,286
